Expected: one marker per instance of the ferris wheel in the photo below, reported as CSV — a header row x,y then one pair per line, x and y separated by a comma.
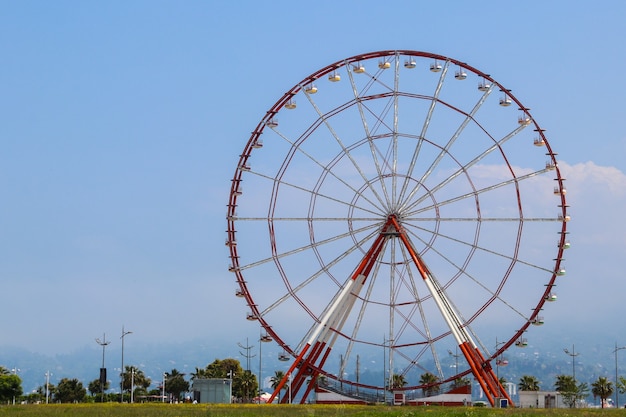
x,y
397,202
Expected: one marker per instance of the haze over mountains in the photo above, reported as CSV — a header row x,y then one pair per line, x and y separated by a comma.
x,y
543,357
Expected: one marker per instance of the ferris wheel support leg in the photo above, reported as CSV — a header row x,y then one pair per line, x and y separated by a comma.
x,y
480,367
498,389
477,370
314,375
283,381
305,369
335,315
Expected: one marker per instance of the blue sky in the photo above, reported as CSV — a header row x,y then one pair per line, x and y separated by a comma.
x,y
121,124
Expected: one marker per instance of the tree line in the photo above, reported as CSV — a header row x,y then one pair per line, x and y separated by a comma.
x,y
245,387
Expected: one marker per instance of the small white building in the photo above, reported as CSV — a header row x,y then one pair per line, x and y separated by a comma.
x,y
212,390
540,399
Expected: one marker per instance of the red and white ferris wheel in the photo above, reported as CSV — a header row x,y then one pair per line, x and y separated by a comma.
x,y
402,201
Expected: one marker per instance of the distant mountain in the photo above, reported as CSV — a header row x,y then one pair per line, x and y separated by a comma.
x,y
544,359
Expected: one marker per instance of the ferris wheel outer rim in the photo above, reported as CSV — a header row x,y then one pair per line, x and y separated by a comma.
x,y
278,105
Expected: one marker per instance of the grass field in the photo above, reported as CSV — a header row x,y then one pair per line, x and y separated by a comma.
x,y
184,410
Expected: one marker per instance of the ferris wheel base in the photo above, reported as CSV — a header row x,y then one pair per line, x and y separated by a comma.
x,y
457,397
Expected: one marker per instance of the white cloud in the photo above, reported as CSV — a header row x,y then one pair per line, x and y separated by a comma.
x,y
597,196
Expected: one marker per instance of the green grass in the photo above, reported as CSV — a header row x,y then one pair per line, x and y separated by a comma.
x,y
184,410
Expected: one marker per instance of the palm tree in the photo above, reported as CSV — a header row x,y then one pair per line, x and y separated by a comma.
x,y
528,383
244,384
134,378
571,392
602,388
621,385
461,382
175,383
275,380
200,373
566,385
428,380
398,381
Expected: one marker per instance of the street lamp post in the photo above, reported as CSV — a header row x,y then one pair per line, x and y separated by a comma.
x,y
456,356
616,377
122,374
103,370
47,385
132,383
263,338
15,371
573,355
248,356
164,376
230,386
500,361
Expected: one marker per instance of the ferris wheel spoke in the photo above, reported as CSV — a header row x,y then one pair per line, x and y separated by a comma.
x,y
445,150
413,290
464,168
361,313
294,290
394,171
473,194
345,150
373,148
316,244
326,171
420,140
478,247
462,271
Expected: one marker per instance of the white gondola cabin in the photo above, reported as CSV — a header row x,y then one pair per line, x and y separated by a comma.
x,y
551,297
523,120
435,66
484,85
521,342
410,63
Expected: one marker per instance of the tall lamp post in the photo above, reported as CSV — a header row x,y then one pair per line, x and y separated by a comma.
x,y
15,371
164,378
573,355
122,374
456,357
500,361
47,385
248,356
103,371
616,377
263,338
